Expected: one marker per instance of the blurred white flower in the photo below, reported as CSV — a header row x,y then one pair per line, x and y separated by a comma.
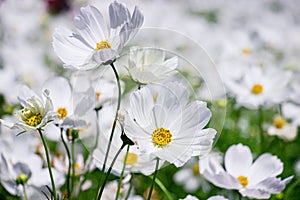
x,y
35,114
218,197
260,87
164,125
252,179
150,65
95,44
291,111
282,129
190,197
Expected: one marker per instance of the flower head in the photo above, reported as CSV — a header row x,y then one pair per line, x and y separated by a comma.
x,y
252,179
166,126
94,44
35,113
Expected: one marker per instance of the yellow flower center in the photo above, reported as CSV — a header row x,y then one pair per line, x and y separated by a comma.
x,y
34,120
104,44
279,122
131,158
196,169
161,137
98,95
62,113
77,166
257,89
246,51
243,180
22,179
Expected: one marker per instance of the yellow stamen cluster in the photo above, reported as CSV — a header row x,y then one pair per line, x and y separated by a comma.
x,y
257,89
246,51
34,120
243,180
98,95
62,113
104,44
131,158
196,169
279,122
77,166
22,179
161,137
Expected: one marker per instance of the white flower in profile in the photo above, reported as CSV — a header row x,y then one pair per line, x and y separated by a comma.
x,y
252,179
95,44
260,87
282,129
166,126
149,65
36,112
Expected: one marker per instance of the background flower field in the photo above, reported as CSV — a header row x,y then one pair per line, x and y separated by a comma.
x,y
246,56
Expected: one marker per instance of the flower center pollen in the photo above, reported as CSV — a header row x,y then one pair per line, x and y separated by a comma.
x,y
104,44
243,180
34,120
257,89
131,158
62,113
279,122
22,179
161,137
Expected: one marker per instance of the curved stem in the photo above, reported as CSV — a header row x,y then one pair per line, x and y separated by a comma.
x,y
69,160
122,173
153,180
163,188
25,193
73,164
114,123
109,170
48,163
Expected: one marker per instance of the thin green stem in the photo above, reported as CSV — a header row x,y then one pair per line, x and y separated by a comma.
x,y
73,164
163,188
48,163
109,170
130,188
153,180
122,173
70,163
25,193
97,129
114,123
261,130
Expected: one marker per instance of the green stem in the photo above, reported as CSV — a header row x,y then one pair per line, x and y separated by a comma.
x,y
73,164
292,188
48,163
261,130
70,163
97,129
25,193
122,173
163,188
109,170
114,123
130,188
153,180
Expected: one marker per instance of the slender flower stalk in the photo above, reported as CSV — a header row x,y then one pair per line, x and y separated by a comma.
x,y
70,163
115,119
109,170
122,173
73,163
48,163
25,193
153,180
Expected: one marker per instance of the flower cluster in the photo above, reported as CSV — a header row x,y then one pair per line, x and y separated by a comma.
x,y
99,108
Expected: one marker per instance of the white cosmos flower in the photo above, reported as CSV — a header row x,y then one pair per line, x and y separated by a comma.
x,y
36,112
283,129
150,65
252,179
260,87
94,44
164,125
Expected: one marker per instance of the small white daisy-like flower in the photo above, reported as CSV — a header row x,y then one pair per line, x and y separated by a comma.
x,y
95,44
165,126
35,114
150,65
259,87
283,129
252,179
